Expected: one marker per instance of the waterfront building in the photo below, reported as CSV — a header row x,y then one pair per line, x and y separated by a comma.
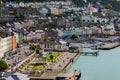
x,y
53,45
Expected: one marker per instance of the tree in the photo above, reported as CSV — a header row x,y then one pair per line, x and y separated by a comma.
x,y
74,36
49,14
78,2
3,65
47,39
48,24
33,47
3,22
22,16
16,16
25,41
51,57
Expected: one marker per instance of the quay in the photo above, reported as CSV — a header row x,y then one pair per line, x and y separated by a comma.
x,y
96,53
62,76
109,46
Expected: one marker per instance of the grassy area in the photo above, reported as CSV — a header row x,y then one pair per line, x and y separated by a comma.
x,y
50,57
41,59
54,54
40,67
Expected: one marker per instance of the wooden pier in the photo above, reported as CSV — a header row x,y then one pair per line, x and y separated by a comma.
x,y
90,53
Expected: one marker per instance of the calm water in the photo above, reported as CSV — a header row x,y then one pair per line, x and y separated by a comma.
x,y
105,66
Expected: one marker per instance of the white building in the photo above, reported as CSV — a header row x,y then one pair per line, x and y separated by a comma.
x,y
5,45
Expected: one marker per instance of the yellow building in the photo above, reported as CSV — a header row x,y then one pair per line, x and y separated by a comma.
x,y
109,32
57,12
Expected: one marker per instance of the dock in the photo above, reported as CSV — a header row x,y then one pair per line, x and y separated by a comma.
x,y
109,46
96,53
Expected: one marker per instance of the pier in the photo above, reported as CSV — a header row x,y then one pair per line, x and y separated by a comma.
x,y
109,46
90,53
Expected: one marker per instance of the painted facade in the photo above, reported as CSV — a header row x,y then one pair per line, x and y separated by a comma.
x,y
20,38
14,44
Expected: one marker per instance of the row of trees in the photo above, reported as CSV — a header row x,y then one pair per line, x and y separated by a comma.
x,y
22,16
2,22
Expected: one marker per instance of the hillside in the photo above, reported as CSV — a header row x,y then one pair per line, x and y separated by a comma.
x,y
109,4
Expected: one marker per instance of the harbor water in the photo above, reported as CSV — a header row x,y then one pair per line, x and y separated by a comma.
x,y
105,66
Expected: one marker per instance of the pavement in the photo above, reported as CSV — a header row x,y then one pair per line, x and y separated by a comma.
x,y
61,62
13,58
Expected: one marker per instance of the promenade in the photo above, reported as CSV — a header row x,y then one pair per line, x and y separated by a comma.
x,y
59,65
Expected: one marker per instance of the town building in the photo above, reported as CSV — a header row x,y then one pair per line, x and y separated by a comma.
x,y
53,45
7,43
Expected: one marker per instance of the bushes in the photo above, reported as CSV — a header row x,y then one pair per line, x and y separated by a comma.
x,y
25,41
22,16
41,59
34,47
74,36
32,67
